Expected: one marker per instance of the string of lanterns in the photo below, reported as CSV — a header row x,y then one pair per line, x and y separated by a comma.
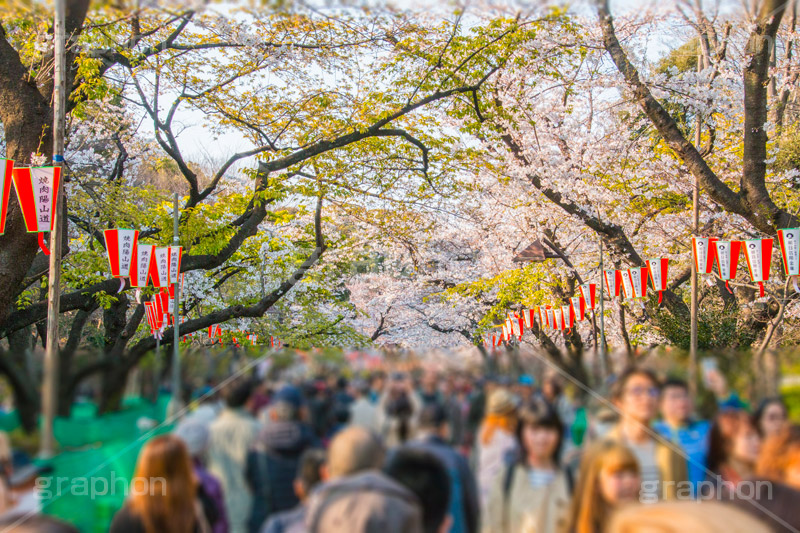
x,y
632,284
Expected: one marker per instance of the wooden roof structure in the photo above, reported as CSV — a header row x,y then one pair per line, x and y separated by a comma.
x,y
535,252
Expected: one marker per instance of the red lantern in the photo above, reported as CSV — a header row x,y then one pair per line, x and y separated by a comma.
x,y
704,252
589,295
727,254
37,189
121,250
657,268
141,265
613,282
569,317
516,325
6,178
638,277
789,239
758,253
528,316
627,285
159,268
578,308
175,255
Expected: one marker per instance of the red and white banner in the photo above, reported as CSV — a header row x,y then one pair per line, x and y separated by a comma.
x,y
627,285
175,255
529,316
658,269
214,331
162,305
589,295
639,281
789,239
758,253
516,325
558,318
6,179
613,279
727,254
120,247
551,318
704,253
160,272
578,308
141,264
36,190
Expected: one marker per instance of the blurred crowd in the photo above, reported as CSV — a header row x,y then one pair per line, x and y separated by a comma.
x,y
437,453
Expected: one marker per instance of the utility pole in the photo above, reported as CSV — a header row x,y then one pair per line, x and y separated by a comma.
x,y
176,403
695,228
50,379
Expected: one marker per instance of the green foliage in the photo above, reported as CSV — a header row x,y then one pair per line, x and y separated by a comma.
x,y
529,286
681,59
717,329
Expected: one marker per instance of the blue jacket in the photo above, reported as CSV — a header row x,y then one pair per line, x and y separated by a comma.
x,y
693,439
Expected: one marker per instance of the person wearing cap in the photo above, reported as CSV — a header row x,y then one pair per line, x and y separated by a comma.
x,y
525,385
496,443
195,435
273,460
433,435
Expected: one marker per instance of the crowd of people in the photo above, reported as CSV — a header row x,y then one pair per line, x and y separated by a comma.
x,y
451,453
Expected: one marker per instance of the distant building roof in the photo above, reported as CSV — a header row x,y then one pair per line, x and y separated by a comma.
x,y
534,252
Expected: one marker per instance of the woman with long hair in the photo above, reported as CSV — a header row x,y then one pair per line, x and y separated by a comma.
x,y
496,443
609,478
771,416
780,457
532,493
164,492
733,449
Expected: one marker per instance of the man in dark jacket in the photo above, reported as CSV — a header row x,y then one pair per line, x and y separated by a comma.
x,y
433,436
358,497
272,463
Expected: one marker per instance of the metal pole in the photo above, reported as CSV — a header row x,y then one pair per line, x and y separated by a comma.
x,y
156,380
176,404
694,286
50,378
603,369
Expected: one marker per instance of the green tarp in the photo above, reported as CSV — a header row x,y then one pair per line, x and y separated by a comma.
x,y
90,482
